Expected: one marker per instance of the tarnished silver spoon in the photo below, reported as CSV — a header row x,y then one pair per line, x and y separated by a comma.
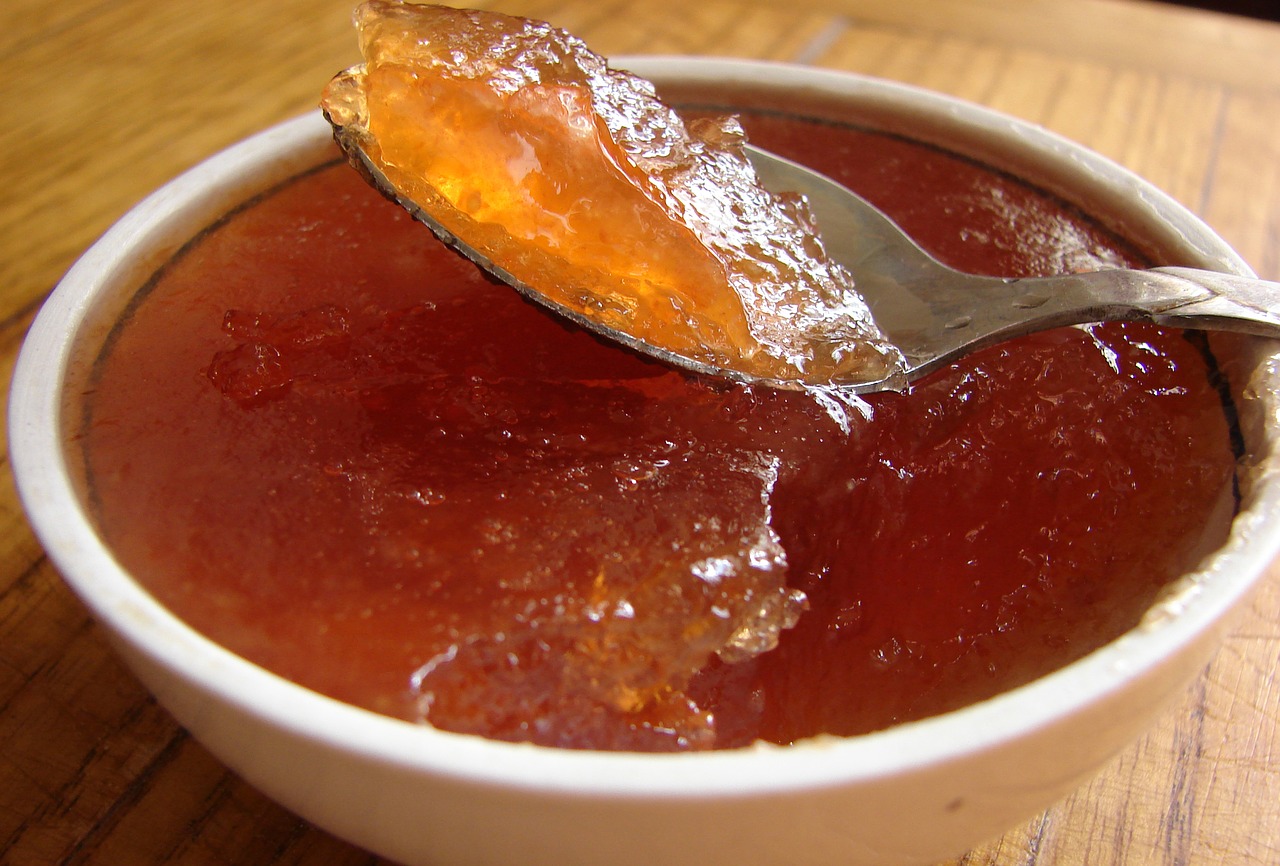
x,y
936,314
933,313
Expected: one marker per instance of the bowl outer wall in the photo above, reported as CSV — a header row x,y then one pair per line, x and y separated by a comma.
x,y
914,793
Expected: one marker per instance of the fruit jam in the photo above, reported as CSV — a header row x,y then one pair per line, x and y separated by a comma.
x,y
575,179
339,450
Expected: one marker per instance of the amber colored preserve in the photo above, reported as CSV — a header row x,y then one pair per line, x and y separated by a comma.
x,y
493,126
342,452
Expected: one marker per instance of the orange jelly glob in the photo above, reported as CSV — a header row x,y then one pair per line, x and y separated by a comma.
x,y
576,180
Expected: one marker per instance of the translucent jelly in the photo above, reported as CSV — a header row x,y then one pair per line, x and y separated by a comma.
x,y
578,181
337,448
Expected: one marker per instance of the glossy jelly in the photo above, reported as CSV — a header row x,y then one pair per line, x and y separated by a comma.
x,y
340,450
576,180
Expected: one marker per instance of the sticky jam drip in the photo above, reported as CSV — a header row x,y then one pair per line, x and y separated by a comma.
x,y
576,180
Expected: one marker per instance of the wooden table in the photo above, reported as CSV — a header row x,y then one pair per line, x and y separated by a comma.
x,y
103,100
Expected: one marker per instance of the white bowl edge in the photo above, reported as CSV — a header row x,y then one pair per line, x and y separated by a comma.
x,y
149,630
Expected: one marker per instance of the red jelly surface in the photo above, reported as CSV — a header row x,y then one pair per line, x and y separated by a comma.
x,y
339,450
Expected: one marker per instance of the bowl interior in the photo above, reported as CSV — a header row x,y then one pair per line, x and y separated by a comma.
x,y
78,319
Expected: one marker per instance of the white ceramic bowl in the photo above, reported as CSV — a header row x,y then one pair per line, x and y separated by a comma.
x,y
912,794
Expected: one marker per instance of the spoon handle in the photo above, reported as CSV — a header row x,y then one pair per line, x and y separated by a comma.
x,y
965,312
1185,297
1226,302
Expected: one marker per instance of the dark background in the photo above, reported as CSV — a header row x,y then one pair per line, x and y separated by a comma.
x,y
1268,9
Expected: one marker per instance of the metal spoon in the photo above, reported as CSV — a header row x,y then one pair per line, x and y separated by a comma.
x,y
932,313
936,314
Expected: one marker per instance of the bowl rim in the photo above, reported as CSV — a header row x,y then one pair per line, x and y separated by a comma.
x,y
45,485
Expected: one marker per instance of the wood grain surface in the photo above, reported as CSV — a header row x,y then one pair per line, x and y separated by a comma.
x,y
103,100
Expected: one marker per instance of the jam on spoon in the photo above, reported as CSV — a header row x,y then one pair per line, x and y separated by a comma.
x,y
576,184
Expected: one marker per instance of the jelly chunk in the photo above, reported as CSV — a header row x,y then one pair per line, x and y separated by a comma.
x,y
579,182
585,626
